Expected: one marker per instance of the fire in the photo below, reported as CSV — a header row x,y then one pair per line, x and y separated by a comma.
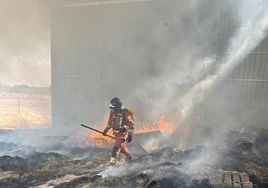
x,y
97,139
161,125
100,140
31,118
24,111
164,125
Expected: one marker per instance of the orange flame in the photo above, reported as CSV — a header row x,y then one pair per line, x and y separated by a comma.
x,y
161,125
28,118
100,140
97,139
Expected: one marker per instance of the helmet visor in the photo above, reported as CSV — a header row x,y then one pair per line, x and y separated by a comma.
x,y
111,106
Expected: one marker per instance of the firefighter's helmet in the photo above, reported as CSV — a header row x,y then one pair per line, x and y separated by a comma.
x,y
115,103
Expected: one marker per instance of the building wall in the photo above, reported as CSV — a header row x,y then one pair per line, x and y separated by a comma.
x,y
96,55
93,58
241,97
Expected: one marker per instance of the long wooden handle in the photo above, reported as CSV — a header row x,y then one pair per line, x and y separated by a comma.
x,y
96,130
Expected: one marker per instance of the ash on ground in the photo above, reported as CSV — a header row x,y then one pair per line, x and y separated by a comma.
x,y
244,154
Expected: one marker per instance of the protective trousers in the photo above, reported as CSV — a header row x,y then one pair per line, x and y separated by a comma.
x,y
120,146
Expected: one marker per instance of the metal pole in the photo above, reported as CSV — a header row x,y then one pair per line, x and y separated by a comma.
x,y
19,105
96,130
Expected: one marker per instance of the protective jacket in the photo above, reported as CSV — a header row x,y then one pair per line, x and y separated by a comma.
x,y
121,122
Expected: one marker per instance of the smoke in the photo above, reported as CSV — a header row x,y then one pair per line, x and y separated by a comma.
x,y
187,67
24,43
191,68
244,40
179,60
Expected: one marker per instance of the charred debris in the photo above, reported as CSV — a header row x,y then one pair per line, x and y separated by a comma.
x,y
242,161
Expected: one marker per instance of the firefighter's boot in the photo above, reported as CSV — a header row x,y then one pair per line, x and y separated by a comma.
x,y
128,158
113,161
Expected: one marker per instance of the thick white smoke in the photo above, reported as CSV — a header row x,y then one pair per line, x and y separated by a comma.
x,y
24,43
244,40
183,80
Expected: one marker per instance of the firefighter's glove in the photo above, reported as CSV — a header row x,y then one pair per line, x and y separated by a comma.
x,y
104,132
129,138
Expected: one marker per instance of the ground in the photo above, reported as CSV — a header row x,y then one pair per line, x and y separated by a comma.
x,y
76,166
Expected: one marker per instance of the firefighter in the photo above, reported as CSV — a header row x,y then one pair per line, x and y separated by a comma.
x,y
122,124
